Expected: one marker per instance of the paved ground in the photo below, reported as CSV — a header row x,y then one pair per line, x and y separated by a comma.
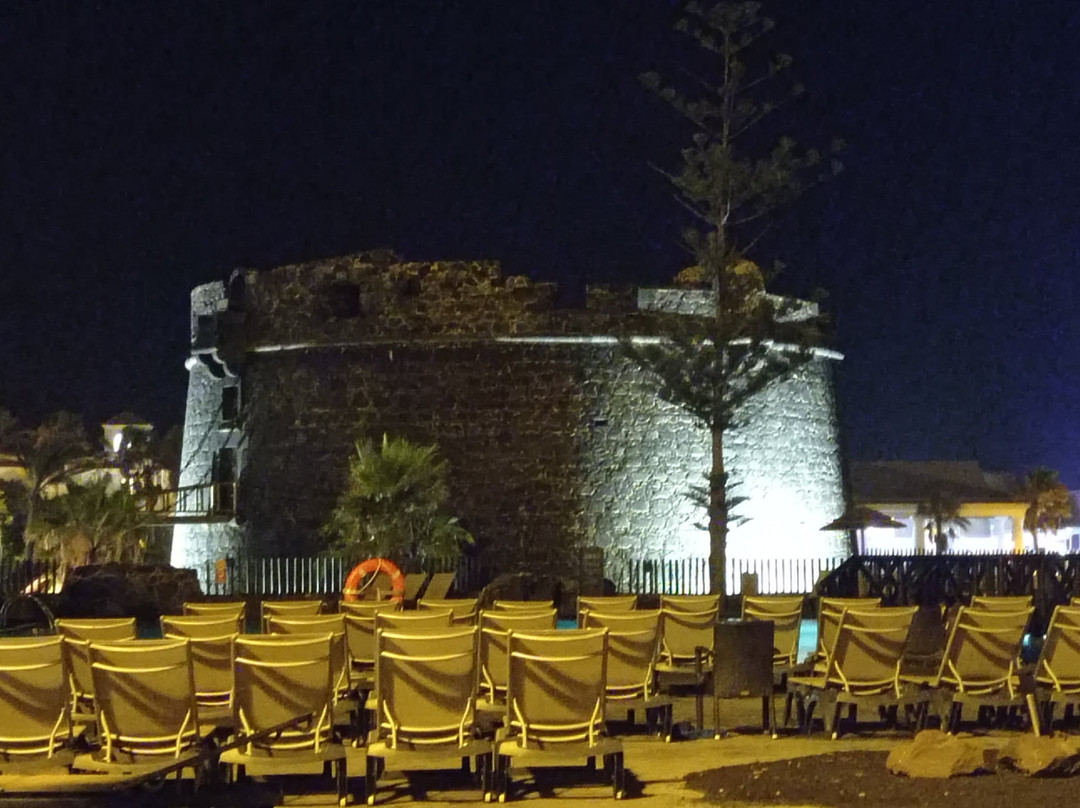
x,y
656,768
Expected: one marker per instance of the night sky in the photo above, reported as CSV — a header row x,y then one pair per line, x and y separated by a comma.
x,y
147,147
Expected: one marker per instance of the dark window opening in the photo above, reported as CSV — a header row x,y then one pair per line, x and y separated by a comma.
x,y
342,300
206,329
230,405
236,290
224,478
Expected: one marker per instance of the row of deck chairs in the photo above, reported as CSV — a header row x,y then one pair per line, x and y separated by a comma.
x,y
861,652
146,702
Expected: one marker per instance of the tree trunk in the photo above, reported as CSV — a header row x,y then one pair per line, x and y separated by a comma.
x,y
718,519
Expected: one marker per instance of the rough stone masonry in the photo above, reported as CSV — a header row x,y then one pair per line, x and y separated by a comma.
x,y
555,439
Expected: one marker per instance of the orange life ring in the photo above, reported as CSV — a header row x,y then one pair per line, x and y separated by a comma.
x,y
373,566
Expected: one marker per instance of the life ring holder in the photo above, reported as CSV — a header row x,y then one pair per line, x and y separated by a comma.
x,y
373,566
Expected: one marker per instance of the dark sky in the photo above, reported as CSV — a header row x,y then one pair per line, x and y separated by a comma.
x,y
147,147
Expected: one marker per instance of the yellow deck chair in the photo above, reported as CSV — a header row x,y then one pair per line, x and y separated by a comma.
x,y
463,611
785,612
686,649
495,627
426,705
633,651
360,645
522,605
78,634
862,666
216,608
200,625
979,666
829,611
1001,603
439,586
607,605
690,603
288,608
556,698
35,698
145,692
403,621
1057,673
318,624
368,608
277,679
212,671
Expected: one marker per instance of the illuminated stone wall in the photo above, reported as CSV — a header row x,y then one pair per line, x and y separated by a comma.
x,y
554,438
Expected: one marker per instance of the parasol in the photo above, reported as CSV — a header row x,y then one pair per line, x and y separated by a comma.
x,y
859,518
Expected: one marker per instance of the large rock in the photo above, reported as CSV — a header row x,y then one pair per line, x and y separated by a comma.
x,y
529,586
935,754
126,590
1042,756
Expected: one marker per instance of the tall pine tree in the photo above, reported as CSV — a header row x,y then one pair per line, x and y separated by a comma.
x,y
712,366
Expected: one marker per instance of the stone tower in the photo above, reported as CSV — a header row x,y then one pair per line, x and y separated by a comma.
x,y
554,438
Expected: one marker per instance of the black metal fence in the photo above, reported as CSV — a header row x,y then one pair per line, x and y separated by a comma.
x,y
22,577
282,576
690,576
928,579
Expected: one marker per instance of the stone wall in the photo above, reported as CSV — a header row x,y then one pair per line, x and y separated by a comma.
x,y
554,439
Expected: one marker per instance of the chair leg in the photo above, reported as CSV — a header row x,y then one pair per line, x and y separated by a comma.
x,y
1033,713
503,778
834,726
341,771
371,779
618,780
956,711
772,710
806,716
717,734
483,769
1048,717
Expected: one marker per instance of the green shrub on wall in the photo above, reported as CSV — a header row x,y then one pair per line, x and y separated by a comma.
x,y
396,504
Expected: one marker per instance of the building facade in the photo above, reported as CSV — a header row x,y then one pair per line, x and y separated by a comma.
x,y
555,439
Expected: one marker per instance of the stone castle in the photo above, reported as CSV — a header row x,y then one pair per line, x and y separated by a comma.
x,y
554,438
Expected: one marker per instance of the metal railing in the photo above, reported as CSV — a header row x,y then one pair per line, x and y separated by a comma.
x,y
284,576
204,501
22,577
690,576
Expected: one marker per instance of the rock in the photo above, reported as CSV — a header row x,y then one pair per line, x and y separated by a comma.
x,y
523,586
1043,756
935,754
125,590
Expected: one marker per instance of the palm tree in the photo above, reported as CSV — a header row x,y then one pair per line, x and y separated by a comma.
x,y
1050,505
49,453
943,511
91,524
396,504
